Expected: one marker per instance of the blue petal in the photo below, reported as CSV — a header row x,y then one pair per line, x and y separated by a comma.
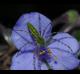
x,y
65,60
24,61
20,34
65,42
21,43
63,46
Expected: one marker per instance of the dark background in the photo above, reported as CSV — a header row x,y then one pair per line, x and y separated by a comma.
x,y
10,12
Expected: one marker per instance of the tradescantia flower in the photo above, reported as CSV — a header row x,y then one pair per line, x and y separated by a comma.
x,y
38,49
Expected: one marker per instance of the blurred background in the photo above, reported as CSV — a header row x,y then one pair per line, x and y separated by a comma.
x,y
9,14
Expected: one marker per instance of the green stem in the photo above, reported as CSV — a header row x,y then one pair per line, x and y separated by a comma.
x,y
47,64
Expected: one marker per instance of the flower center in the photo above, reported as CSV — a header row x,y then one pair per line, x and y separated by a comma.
x,y
44,54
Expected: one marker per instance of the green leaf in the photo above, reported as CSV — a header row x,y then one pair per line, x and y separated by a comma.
x,y
72,16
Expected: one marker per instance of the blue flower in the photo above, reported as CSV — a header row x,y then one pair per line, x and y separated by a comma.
x,y
58,53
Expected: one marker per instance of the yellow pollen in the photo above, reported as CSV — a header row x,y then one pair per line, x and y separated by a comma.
x,y
42,52
49,51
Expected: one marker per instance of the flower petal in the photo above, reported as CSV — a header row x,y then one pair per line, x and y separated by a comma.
x,y
20,33
24,61
64,60
66,42
21,43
